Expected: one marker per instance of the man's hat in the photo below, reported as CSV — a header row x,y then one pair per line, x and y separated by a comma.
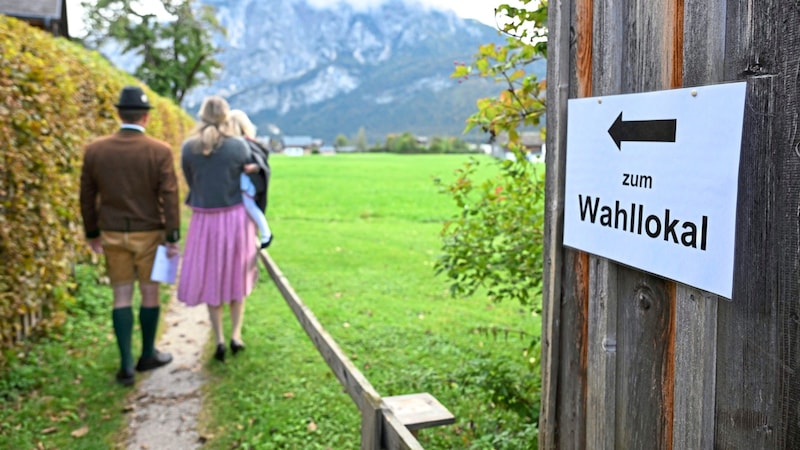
x,y
133,97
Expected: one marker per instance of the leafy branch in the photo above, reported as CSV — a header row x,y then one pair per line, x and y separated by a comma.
x,y
495,241
176,54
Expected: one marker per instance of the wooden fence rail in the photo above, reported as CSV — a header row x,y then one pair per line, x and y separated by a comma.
x,y
386,423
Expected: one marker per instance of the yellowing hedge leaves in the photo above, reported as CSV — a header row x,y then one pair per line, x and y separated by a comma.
x,y
55,96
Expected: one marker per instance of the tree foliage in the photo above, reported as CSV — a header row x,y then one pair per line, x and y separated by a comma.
x,y
340,141
495,241
361,140
407,143
176,54
447,145
401,143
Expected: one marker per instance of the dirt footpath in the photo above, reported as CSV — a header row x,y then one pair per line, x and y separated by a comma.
x,y
167,401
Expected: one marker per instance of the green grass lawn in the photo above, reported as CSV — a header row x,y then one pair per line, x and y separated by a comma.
x,y
58,390
357,237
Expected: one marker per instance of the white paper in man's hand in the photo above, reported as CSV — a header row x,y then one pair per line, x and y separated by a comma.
x,y
164,267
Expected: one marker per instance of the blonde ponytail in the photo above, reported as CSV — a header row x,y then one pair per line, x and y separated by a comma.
x,y
214,125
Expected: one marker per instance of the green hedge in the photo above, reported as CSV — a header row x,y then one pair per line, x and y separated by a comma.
x,y
56,96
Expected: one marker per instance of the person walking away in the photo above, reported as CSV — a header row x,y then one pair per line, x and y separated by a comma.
x,y
219,263
255,179
129,204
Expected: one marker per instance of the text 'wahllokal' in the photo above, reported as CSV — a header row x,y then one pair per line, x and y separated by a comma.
x,y
636,220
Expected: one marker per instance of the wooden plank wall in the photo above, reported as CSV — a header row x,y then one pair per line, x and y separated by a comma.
x,y
559,297
787,242
634,361
757,341
696,311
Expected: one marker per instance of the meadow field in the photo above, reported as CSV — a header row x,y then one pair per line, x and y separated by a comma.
x,y
357,237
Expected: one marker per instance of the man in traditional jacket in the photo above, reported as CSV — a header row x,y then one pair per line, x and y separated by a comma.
x,y
129,203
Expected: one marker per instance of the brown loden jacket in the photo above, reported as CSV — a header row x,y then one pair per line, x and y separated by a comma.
x,y
128,183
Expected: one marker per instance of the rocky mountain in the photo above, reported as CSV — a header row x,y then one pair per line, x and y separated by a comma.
x,y
324,71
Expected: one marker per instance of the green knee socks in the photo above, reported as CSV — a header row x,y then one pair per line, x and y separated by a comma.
x,y
148,319
122,319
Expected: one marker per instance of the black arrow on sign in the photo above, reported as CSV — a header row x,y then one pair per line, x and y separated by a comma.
x,y
642,130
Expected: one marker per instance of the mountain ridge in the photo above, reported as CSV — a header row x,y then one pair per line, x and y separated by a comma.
x,y
325,71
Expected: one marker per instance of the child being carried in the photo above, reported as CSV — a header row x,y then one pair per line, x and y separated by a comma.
x,y
255,213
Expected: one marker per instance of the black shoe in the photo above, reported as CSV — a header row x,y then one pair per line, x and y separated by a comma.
x,y
219,354
126,377
236,347
154,362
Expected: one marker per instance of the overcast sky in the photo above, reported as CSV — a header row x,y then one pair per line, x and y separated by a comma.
x,y
482,10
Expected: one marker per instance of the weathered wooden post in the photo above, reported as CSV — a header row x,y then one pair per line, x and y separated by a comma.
x,y
632,360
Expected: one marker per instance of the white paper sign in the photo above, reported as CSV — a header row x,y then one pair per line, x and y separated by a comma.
x,y
652,178
164,267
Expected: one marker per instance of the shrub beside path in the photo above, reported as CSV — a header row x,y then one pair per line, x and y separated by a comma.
x,y
166,405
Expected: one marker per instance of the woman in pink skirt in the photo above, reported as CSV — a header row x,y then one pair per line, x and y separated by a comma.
x,y
219,263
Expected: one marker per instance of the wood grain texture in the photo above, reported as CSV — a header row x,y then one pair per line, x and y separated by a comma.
x,y
675,29
787,225
608,46
690,370
703,47
703,42
602,365
572,373
558,85
762,412
572,384
646,46
644,303
747,397
695,369
747,340
584,23
607,54
644,318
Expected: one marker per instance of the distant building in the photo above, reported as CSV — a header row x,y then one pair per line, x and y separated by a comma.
x,y
294,144
49,15
531,140
327,150
297,141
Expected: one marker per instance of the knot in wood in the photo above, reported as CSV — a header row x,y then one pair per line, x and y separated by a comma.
x,y
645,297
